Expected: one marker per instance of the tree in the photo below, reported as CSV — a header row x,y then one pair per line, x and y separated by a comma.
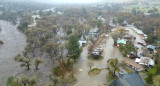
x,y
25,61
63,68
11,81
118,34
73,47
37,62
22,81
112,66
120,20
156,80
153,73
51,49
134,11
151,38
150,74
99,24
22,26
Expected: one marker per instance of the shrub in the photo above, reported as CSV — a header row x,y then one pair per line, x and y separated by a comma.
x,y
55,70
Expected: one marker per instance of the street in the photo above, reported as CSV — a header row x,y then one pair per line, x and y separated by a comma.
x,y
83,79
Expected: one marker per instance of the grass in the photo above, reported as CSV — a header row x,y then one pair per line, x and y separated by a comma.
x,y
143,7
127,70
90,57
94,71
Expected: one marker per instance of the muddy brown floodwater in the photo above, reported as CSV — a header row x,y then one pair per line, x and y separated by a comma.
x,y
14,43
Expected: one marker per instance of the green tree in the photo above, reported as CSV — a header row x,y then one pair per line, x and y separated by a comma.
x,y
99,24
22,26
11,81
73,47
112,66
150,74
120,20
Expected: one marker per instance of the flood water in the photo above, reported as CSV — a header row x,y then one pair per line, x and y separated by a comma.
x,y
14,43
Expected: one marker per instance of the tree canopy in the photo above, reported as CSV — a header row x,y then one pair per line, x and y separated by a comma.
x,y
73,47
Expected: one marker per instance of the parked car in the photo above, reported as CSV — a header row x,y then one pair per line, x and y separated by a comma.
x,y
143,44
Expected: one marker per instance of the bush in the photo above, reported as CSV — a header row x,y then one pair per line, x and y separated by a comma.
x,y
10,81
94,71
55,70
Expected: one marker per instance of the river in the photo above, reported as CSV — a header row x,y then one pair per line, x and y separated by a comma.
x,y
14,43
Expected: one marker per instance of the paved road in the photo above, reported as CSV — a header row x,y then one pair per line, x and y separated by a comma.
x,y
83,79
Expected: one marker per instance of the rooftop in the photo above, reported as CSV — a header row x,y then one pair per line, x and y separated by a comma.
x,y
132,79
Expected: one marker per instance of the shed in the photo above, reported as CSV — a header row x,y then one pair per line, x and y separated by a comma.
x,y
121,41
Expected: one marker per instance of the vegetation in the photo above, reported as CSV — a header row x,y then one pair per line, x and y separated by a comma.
x,y
23,81
73,47
127,70
153,73
112,67
49,37
25,61
94,71
37,62
151,39
95,57
63,68
118,34
126,49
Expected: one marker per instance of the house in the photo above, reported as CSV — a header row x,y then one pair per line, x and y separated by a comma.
x,y
133,64
127,36
121,41
151,47
133,55
93,31
132,79
82,42
145,61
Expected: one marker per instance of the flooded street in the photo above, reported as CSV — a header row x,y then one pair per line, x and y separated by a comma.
x,y
14,43
83,79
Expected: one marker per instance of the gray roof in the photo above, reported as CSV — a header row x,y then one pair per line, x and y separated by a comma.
x,y
151,47
132,79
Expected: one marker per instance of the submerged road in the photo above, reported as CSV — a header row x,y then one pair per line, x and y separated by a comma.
x,y
83,79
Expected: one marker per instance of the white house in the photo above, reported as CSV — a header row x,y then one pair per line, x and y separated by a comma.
x,y
82,42
146,61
